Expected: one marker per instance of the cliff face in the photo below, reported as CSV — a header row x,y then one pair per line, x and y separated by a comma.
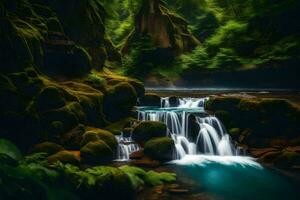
x,y
166,29
48,90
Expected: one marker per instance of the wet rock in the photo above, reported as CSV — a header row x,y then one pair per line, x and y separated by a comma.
x,y
73,138
119,101
174,101
137,155
94,134
150,99
64,157
96,152
161,149
48,147
146,130
49,98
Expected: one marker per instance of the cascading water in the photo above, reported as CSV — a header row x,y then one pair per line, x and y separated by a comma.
x,y
125,147
211,137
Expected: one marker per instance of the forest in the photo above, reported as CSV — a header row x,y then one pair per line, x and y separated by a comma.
x,y
149,99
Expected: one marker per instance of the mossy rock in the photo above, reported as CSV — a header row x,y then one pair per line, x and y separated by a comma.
x,y
92,106
108,181
287,159
138,86
96,152
56,128
222,103
118,127
26,85
150,99
146,130
119,101
96,82
63,63
161,148
49,98
94,134
235,133
73,138
225,118
67,117
64,157
48,147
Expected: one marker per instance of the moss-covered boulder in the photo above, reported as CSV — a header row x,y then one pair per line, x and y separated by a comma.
x,y
72,139
161,149
64,157
48,147
265,118
96,152
94,134
49,98
105,182
150,99
119,101
146,130
138,86
287,159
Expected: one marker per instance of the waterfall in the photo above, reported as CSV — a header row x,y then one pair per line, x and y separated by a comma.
x,y
205,135
126,146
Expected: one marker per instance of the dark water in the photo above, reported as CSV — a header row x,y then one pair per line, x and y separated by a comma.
x,y
238,181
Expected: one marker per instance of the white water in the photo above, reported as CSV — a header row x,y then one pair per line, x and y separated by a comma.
x,y
204,160
126,146
212,138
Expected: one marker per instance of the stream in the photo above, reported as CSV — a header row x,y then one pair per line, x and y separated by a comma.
x,y
207,155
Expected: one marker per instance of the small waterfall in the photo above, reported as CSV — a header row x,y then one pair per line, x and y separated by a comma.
x,y
208,138
126,146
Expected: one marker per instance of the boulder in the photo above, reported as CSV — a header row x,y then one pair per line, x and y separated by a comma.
x,y
174,101
146,130
96,152
64,157
161,149
48,147
49,98
119,101
73,138
150,99
94,134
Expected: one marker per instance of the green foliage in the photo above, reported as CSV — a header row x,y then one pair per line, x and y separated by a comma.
x,y
31,179
139,177
8,148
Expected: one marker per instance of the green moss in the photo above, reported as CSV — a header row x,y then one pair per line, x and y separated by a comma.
x,y
64,157
47,147
146,130
95,134
140,177
96,82
161,148
98,182
96,152
117,127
